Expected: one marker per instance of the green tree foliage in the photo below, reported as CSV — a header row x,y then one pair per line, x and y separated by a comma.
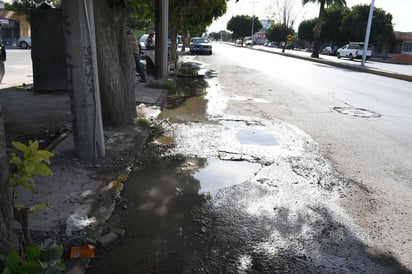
x,y
278,32
221,35
241,26
141,15
318,28
342,25
23,7
332,28
194,16
354,25
306,28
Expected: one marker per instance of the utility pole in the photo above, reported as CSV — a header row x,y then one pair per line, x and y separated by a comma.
x,y
253,18
368,31
162,33
83,80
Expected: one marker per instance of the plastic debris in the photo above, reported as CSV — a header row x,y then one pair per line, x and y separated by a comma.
x,y
85,251
76,223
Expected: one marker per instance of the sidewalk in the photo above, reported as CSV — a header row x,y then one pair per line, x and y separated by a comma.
x,y
79,192
397,71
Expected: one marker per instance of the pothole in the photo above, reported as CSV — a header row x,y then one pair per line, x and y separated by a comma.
x,y
256,136
357,112
219,174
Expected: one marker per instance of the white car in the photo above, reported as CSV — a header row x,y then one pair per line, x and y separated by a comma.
x,y
24,42
353,50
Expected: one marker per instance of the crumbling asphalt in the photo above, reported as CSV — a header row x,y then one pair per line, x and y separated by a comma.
x,y
80,193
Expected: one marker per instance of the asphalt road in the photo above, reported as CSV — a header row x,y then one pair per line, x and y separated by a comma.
x,y
19,68
363,122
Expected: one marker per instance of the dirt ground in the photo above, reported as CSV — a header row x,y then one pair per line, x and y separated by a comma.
x,y
47,117
31,115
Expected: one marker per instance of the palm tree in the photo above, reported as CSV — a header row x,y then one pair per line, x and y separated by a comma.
x,y
318,28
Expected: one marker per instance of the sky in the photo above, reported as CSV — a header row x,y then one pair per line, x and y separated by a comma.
x,y
401,11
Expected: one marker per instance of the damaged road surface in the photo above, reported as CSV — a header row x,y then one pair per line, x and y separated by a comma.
x,y
239,191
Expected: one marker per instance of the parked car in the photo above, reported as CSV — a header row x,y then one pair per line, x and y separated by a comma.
x,y
250,42
353,50
24,42
329,50
200,45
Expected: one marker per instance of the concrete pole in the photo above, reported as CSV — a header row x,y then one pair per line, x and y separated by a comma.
x,y
368,32
253,19
83,81
162,33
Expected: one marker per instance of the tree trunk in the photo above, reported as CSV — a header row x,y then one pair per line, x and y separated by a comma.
x,y
318,30
117,72
8,238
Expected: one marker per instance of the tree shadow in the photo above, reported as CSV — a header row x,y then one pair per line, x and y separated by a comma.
x,y
286,241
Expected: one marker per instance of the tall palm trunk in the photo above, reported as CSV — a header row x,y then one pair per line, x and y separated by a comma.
x,y
318,30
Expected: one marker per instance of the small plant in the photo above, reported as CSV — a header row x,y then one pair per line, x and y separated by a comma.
x,y
32,163
35,260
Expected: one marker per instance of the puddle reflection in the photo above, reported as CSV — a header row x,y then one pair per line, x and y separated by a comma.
x,y
256,136
219,174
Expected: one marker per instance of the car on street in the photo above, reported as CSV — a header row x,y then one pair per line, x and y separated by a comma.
x,y
249,42
200,45
353,50
24,42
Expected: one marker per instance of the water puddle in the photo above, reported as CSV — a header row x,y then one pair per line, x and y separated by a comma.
x,y
219,174
256,136
186,102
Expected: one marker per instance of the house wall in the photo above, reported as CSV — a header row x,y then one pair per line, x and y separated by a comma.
x,y
402,48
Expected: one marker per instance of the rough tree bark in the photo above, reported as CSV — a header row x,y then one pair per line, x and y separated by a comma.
x,y
115,61
318,30
8,237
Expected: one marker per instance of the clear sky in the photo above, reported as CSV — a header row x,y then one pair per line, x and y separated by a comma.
x,y
401,11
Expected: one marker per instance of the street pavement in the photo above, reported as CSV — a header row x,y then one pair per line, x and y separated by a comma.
x,y
74,190
375,66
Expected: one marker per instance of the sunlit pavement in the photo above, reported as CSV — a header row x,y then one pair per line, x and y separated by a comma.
x,y
399,71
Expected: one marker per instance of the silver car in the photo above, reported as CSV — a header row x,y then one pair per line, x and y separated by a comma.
x,y
200,45
24,42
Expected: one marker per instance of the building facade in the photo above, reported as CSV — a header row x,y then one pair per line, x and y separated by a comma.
x,y
401,49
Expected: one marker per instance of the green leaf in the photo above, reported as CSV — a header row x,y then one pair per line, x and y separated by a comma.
x,y
43,155
33,252
12,260
28,183
20,146
34,145
60,266
39,207
20,206
49,255
31,267
14,180
41,170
